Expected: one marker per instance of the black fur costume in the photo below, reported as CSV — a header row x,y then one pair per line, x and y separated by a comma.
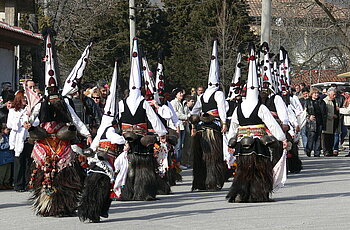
x,y
95,200
209,168
294,164
253,181
172,175
142,181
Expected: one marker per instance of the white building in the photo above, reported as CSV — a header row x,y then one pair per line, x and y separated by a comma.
x,y
12,37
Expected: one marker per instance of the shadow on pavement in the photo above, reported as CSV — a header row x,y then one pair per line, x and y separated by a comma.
x,y
13,205
313,196
168,215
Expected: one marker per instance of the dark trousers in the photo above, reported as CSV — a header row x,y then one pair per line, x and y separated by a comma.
x,y
21,170
327,143
314,141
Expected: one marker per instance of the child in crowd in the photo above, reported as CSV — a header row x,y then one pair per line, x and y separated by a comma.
x,y
6,158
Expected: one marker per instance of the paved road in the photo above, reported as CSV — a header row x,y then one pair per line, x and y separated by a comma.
x,y
317,198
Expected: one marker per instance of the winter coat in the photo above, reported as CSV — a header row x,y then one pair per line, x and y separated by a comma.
x,y
328,122
346,113
318,109
6,155
18,133
180,112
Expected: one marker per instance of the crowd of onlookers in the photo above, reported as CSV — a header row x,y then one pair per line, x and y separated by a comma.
x,y
327,119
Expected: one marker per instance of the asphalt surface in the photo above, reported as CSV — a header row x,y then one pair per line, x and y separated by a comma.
x,y
316,198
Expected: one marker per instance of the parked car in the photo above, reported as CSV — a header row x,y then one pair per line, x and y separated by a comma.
x,y
342,86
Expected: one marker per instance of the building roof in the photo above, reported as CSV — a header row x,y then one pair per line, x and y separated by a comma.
x,y
25,6
315,76
18,36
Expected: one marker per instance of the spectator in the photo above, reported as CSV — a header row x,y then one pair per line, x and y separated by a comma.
x,y
6,159
346,118
30,84
346,112
193,91
304,95
302,86
96,96
330,123
6,87
86,109
186,150
189,103
200,91
339,99
104,94
5,106
324,94
18,122
297,90
315,109
303,132
181,114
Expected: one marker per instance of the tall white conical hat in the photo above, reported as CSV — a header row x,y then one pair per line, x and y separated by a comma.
x,y
282,70
111,106
266,74
110,110
135,96
73,79
50,72
214,74
252,96
160,76
148,78
236,87
287,71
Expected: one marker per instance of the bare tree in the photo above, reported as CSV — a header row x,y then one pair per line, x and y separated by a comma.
x,y
316,34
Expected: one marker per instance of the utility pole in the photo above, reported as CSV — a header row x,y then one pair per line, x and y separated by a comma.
x,y
132,19
265,21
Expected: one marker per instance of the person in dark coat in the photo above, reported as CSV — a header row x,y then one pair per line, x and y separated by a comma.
x,y
315,109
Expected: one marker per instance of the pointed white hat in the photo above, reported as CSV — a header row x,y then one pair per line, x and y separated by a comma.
x,y
73,79
160,75
236,87
252,95
282,70
148,78
110,109
266,73
287,71
135,96
214,73
50,72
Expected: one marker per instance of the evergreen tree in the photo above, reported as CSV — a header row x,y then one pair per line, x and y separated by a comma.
x,y
193,26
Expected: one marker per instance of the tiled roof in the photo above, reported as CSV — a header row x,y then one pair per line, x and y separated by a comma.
x,y
314,76
20,30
